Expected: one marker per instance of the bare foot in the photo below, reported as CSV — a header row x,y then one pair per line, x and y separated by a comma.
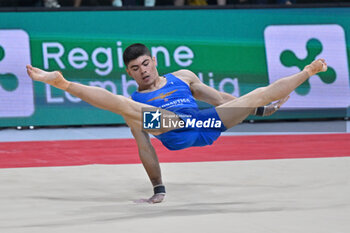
x,y
315,67
53,78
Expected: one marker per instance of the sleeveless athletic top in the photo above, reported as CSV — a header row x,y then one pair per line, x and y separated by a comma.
x,y
176,96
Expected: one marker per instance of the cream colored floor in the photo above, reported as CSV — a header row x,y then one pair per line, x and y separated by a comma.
x,y
287,196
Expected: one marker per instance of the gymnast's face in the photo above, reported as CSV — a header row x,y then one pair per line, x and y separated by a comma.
x,y
143,70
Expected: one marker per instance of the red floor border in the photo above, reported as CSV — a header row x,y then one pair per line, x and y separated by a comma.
x,y
124,151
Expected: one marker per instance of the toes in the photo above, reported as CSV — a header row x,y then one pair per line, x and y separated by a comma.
x,y
28,72
324,64
35,69
324,67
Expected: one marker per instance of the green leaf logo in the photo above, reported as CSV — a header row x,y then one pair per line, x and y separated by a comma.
x,y
314,48
8,81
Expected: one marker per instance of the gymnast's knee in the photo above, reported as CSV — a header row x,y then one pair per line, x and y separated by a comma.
x,y
263,96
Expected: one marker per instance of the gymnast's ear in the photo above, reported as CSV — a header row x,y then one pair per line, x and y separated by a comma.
x,y
154,61
128,71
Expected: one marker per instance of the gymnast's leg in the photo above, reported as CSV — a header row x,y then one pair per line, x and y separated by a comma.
x,y
235,111
98,97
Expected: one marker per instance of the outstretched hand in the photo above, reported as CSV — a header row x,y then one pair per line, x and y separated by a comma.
x,y
156,198
272,108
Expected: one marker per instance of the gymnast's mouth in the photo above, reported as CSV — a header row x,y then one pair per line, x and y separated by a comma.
x,y
145,77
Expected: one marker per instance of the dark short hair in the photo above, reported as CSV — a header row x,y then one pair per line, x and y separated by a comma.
x,y
134,51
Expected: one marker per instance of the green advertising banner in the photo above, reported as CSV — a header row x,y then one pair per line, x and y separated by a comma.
x,y
232,50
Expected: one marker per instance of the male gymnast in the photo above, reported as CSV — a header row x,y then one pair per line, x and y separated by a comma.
x,y
175,94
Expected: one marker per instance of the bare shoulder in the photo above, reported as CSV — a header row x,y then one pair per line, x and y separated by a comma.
x,y
186,76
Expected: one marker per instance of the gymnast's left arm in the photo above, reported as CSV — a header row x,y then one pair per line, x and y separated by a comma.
x,y
202,92
214,97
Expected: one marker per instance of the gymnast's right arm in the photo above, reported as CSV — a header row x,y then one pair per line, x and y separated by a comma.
x,y
150,162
